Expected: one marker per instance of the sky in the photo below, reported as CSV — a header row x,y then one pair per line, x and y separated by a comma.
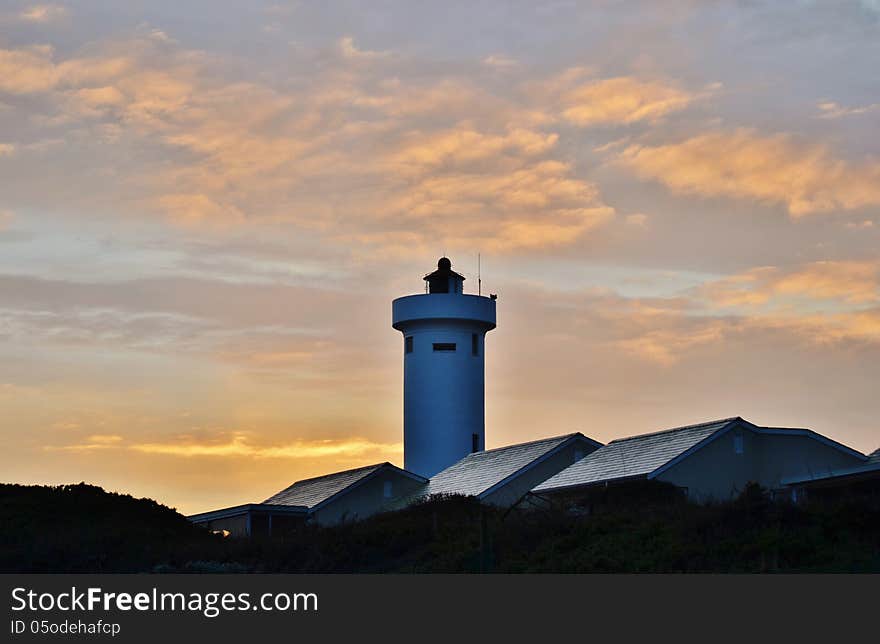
x,y
207,207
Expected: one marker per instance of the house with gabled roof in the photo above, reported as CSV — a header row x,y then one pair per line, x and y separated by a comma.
x,y
503,476
708,461
350,495
326,500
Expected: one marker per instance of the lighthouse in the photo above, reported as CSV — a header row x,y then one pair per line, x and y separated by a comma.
x,y
444,332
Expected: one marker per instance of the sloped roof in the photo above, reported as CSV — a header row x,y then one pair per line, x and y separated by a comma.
x,y
635,456
477,473
311,492
248,508
870,467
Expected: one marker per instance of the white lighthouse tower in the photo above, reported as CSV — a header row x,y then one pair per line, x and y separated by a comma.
x,y
444,416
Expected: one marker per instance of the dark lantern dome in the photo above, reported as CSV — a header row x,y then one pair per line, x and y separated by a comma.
x,y
444,279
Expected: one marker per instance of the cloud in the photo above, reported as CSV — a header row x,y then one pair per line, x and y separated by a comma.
x,y
849,282
831,110
465,145
348,50
666,346
33,69
176,309
199,209
239,446
500,61
622,100
238,152
27,70
637,219
92,443
536,205
803,177
680,338
43,13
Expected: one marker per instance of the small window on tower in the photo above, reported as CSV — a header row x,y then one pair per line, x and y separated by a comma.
x,y
408,344
577,455
387,489
444,346
738,443
475,344
475,443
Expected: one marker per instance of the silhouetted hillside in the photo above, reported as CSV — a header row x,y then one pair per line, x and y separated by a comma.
x,y
83,528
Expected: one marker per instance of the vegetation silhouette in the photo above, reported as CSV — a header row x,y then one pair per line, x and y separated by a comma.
x,y
82,528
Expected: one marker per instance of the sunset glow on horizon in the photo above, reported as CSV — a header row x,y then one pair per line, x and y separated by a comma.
x,y
206,209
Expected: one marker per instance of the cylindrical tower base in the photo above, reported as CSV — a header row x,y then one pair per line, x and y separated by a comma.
x,y
444,377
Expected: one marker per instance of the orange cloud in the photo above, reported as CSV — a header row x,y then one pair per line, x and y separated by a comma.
x,y
93,443
32,69
537,205
238,151
774,169
238,446
666,346
466,145
622,100
27,70
199,209
850,282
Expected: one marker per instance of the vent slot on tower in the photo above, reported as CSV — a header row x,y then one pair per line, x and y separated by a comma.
x,y
475,344
475,443
408,344
444,346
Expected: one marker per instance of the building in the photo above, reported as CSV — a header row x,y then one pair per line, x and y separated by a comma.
x,y
349,495
324,500
444,332
505,475
253,519
845,481
711,461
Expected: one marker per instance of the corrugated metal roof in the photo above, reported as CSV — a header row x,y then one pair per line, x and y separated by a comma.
x,y
311,492
874,457
477,472
633,457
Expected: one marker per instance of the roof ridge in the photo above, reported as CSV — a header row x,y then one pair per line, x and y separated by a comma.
x,y
325,476
532,442
678,429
